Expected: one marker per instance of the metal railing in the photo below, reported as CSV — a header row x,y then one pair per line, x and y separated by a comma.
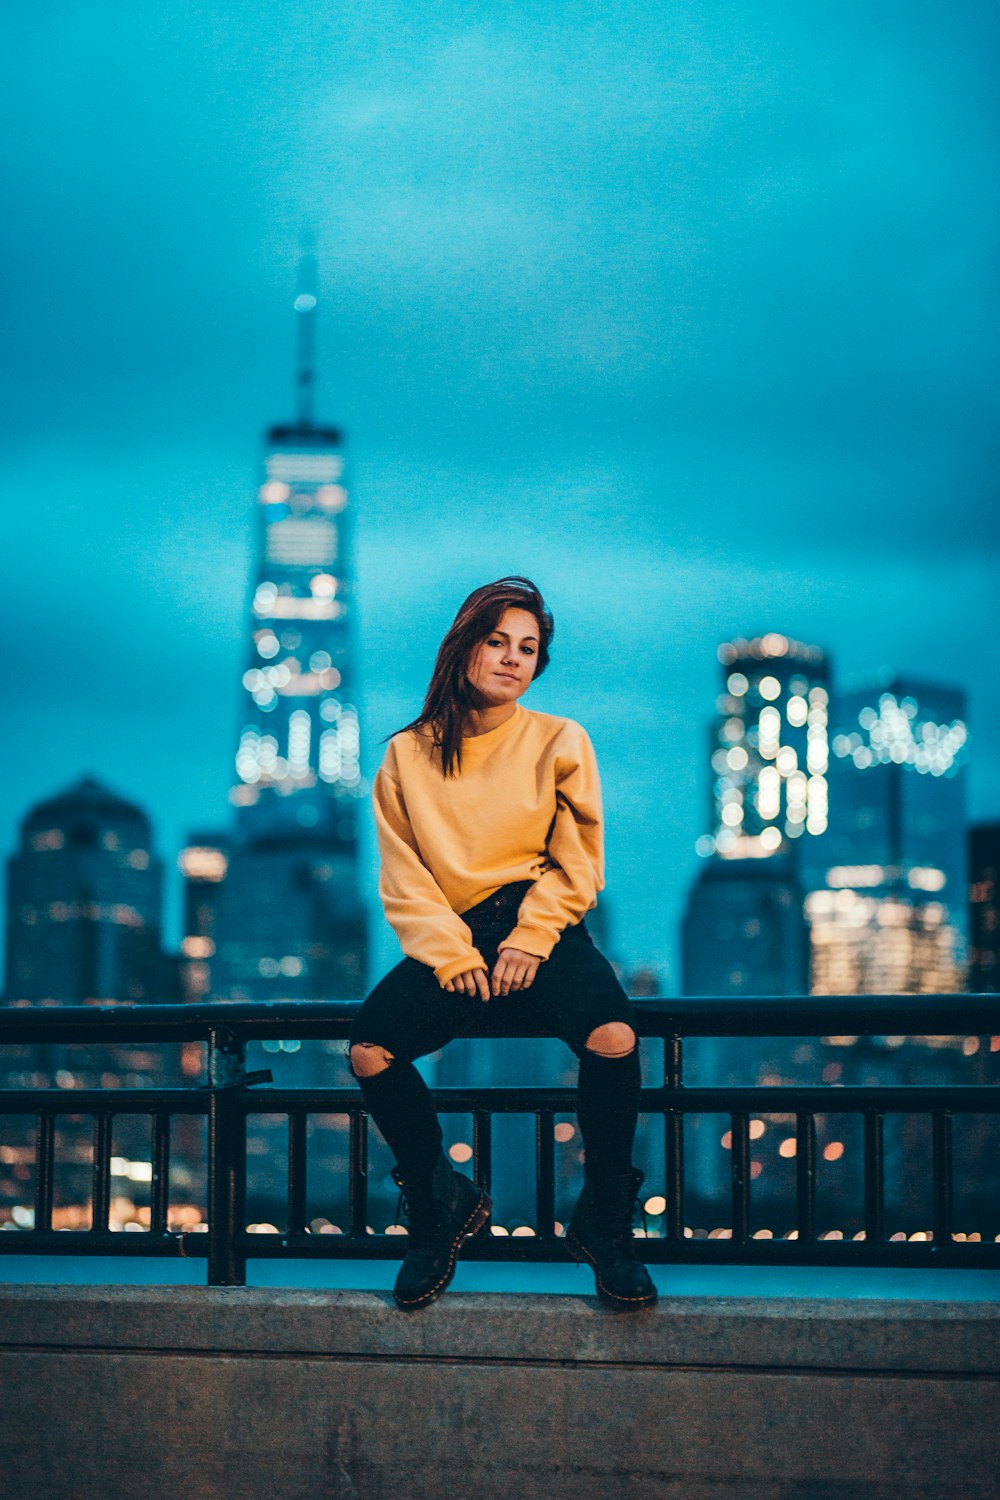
x,y
231,1096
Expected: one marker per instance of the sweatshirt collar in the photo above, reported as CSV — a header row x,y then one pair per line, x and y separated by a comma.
x,y
474,744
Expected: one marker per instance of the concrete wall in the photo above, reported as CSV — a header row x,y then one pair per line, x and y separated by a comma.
x,y
246,1394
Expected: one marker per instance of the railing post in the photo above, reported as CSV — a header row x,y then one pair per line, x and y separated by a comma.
x,y
673,1139
101,1190
740,1166
545,1177
941,1135
296,1213
358,1173
805,1174
226,1158
45,1136
874,1176
159,1190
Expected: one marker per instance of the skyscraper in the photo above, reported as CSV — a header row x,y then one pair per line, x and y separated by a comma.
x,y
744,928
203,863
289,920
770,749
84,893
889,914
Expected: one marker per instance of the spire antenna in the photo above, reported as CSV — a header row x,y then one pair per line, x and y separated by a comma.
x,y
305,310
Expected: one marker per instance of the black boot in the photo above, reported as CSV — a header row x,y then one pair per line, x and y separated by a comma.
x,y
441,1212
601,1231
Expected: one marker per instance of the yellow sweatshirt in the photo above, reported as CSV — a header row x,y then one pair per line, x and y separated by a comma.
x,y
526,805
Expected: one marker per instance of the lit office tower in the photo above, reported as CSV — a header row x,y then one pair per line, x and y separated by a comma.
x,y
744,928
83,904
770,748
892,917
290,920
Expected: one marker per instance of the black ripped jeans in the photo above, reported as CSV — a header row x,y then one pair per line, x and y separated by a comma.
x,y
573,993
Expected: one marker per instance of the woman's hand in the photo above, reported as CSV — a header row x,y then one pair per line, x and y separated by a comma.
x,y
472,982
514,970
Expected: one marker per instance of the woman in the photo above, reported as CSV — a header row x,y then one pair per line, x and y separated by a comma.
x,y
490,835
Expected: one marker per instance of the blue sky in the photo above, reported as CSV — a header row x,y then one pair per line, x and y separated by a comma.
x,y
687,311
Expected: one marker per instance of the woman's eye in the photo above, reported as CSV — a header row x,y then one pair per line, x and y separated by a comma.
x,y
528,650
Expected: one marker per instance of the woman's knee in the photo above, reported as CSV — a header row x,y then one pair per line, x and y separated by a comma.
x,y
613,1039
367,1059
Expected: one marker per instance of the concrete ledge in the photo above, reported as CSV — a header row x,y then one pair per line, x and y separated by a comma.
x,y
216,1393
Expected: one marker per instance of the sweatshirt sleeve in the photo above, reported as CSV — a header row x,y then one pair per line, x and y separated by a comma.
x,y
415,906
565,893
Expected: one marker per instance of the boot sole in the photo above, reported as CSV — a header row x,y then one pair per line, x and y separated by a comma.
x,y
626,1304
472,1226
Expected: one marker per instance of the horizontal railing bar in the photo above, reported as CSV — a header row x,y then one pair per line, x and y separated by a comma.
x,y
829,1254
759,1099
659,1251
119,1101
97,1242
723,1015
766,1099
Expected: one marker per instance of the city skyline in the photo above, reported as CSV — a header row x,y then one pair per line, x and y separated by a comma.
x,y
206,855
689,318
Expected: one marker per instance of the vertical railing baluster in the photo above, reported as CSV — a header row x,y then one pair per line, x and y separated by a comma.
x,y
482,1149
100,1196
740,1132
874,1176
159,1189
805,1175
941,1166
296,1217
227,1127
545,1176
673,1139
358,1174
45,1166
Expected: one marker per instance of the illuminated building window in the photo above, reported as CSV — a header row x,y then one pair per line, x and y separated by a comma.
x,y
274,492
50,838
197,947
302,541
201,863
879,944
305,468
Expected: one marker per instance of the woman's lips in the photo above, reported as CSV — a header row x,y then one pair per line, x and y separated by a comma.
x,y
508,676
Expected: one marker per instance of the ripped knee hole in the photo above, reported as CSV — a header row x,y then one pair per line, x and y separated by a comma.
x,y
614,1039
368,1058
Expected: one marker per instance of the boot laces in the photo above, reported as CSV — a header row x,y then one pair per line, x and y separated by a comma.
x,y
422,1220
615,1227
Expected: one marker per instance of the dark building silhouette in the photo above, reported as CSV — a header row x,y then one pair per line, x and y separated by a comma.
x,y
84,894
287,921
203,864
984,908
743,930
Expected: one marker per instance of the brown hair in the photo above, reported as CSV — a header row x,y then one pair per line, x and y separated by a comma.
x,y
450,694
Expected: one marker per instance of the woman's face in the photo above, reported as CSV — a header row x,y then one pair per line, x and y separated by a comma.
x,y
503,666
